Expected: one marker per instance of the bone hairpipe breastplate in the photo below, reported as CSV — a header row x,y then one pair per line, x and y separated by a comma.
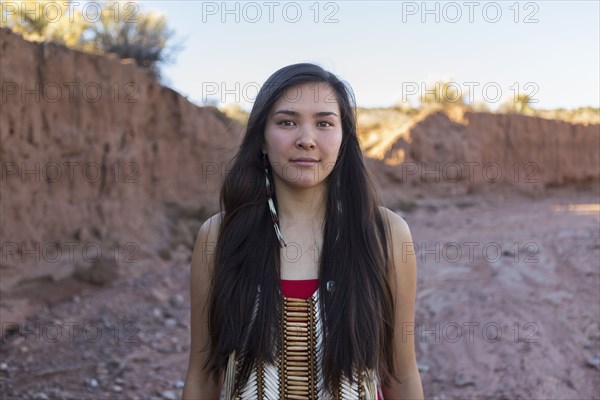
x,y
297,373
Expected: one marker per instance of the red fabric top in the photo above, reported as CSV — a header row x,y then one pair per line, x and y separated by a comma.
x,y
300,289
303,289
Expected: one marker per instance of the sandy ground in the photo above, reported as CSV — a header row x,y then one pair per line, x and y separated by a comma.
x,y
508,307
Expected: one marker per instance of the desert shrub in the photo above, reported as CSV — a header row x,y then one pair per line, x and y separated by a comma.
x,y
143,37
117,27
521,104
442,94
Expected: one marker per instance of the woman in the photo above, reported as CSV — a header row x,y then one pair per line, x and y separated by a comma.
x,y
310,286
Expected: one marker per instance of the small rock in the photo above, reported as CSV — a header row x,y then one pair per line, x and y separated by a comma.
x,y
120,380
179,384
592,332
101,370
146,396
3,367
177,300
24,349
117,388
423,367
164,254
171,322
159,295
169,395
101,272
41,396
113,363
569,383
93,382
460,381
157,313
501,392
593,362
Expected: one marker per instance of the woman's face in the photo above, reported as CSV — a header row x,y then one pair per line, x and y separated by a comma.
x,y
304,124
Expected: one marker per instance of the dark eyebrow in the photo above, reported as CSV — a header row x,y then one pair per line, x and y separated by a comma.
x,y
295,113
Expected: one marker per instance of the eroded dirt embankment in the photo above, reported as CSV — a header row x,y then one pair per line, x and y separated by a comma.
x,y
101,167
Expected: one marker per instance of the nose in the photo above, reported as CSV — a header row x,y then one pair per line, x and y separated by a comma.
x,y
306,139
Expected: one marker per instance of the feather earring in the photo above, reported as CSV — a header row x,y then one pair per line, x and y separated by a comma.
x,y
274,216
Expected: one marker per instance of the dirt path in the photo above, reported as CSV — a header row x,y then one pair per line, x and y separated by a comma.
x,y
529,314
529,318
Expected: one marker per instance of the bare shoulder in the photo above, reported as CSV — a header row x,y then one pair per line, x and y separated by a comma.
x,y
210,228
400,230
401,251
403,284
198,382
205,242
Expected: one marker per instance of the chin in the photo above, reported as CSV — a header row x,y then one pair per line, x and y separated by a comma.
x,y
305,184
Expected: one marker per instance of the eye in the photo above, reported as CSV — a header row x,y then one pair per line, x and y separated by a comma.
x,y
285,122
326,122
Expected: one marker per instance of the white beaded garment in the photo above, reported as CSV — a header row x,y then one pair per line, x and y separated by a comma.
x,y
297,373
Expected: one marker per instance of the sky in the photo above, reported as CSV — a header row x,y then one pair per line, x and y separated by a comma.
x,y
390,52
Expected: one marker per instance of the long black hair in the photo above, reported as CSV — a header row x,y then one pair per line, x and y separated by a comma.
x,y
358,313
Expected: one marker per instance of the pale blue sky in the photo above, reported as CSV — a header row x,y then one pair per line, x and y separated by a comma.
x,y
379,53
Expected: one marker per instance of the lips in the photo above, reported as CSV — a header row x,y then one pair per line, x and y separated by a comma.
x,y
305,159
305,162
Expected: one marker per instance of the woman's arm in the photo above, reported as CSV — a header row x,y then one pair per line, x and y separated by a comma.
x,y
198,385
404,285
